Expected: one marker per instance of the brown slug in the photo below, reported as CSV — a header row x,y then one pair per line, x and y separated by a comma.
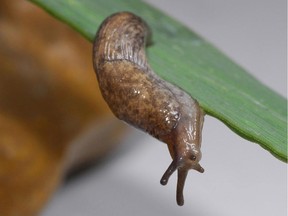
x,y
138,96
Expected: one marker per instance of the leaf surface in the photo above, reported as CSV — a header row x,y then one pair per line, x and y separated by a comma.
x,y
223,89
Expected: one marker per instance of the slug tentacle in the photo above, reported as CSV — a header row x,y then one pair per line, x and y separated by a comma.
x,y
138,96
182,174
171,169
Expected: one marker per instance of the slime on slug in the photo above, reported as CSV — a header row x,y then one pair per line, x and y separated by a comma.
x,y
138,96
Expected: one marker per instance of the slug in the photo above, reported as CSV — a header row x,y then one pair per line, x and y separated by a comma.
x,y
136,95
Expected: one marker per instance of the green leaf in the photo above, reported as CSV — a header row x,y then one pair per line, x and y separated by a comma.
x,y
178,55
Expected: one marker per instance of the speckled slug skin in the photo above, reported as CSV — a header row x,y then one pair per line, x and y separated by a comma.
x,y
136,95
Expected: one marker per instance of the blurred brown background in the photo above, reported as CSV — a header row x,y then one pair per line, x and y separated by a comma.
x,y
52,116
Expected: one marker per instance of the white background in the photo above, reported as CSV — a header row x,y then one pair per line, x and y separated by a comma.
x,y
240,177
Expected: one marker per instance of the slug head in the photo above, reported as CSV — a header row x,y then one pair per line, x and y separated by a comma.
x,y
184,146
182,164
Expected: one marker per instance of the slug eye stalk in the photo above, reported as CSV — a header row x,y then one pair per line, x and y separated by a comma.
x,y
136,95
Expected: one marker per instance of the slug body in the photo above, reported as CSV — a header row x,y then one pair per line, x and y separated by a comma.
x,y
138,96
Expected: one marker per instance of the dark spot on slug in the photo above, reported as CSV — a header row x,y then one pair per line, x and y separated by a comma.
x,y
138,96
